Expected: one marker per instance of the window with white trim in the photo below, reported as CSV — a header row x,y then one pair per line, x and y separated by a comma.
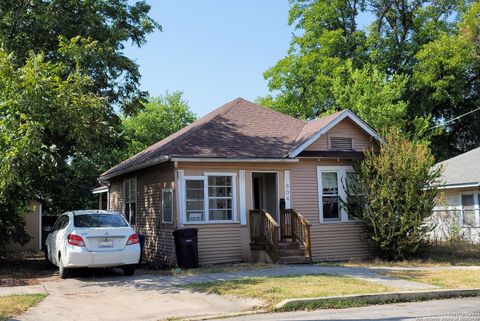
x,y
468,210
354,189
167,205
331,191
130,200
210,198
330,201
195,199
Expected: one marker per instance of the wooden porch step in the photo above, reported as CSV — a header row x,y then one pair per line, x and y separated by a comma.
x,y
288,245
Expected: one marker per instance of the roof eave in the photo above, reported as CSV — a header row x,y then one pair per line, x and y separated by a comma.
x,y
155,161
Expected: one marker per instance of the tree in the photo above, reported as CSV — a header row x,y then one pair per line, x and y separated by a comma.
x,y
411,52
47,116
85,38
161,117
392,195
38,25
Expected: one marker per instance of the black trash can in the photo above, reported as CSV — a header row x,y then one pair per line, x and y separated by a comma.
x,y
141,238
186,247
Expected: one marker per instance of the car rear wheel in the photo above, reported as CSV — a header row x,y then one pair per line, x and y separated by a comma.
x,y
62,271
48,264
128,270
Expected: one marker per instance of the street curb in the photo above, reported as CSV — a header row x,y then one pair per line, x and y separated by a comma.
x,y
292,304
223,316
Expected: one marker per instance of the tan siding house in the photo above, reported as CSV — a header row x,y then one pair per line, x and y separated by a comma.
x,y
251,180
458,204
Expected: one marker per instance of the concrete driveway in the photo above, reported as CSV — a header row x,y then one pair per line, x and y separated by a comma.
x,y
115,297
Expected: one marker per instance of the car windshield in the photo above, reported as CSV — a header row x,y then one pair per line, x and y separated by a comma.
x,y
99,220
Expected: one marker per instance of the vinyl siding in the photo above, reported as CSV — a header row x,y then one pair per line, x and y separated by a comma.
x,y
346,128
159,247
222,243
330,241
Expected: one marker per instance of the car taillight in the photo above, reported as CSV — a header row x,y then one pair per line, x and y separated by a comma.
x,y
75,240
133,239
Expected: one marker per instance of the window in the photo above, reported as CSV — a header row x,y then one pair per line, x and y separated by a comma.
x,y
468,209
332,184
341,143
61,223
354,190
99,220
195,200
167,205
330,200
130,187
210,198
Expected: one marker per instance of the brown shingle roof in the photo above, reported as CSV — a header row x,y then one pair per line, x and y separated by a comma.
x,y
238,129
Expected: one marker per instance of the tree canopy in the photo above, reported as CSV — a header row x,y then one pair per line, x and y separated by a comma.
x,y
414,66
162,116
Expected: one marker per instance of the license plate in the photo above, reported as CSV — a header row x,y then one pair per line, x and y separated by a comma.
x,y
105,243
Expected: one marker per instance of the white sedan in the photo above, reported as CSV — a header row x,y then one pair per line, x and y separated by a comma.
x,y
92,238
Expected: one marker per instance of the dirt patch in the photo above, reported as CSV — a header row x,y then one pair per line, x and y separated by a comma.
x,y
24,268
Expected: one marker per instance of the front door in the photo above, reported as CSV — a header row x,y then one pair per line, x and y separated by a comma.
x,y
265,193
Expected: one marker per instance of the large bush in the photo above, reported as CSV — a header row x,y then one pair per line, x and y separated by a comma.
x,y
391,195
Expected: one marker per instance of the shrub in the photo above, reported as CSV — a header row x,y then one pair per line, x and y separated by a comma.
x,y
391,194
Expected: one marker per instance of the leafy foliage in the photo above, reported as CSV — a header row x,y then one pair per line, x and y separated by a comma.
x,y
47,115
161,117
38,25
414,66
389,195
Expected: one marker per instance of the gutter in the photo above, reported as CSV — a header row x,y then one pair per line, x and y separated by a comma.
x,y
234,160
462,185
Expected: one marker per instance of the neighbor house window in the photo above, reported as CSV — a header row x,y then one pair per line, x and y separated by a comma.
x,y
130,187
332,184
468,209
167,205
210,198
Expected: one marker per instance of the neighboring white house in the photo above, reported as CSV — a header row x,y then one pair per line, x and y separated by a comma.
x,y
457,209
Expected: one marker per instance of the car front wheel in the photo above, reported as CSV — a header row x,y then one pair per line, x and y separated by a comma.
x,y
129,270
62,271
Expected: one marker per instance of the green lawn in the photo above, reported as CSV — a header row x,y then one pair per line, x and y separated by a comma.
x,y
272,290
452,279
14,305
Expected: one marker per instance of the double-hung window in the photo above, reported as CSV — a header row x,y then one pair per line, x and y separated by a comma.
x,y
167,205
130,200
470,209
332,184
330,197
210,198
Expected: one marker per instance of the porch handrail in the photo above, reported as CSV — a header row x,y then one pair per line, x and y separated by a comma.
x,y
264,229
295,226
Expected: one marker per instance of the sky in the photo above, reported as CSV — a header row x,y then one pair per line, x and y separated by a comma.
x,y
213,50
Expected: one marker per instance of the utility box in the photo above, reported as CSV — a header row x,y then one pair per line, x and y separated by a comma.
x,y
186,247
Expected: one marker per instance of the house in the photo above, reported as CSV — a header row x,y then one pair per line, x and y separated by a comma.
x,y
457,209
252,181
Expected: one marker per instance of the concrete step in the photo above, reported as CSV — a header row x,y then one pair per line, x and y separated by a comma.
x,y
291,252
293,260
